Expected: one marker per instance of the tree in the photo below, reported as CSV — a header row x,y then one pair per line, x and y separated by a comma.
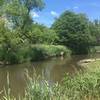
x,y
42,35
1,2
15,23
10,42
18,13
96,24
73,31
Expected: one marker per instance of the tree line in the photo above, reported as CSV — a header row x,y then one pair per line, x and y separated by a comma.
x,y
18,31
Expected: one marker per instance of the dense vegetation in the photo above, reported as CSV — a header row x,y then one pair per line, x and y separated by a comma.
x,y
84,86
20,38
75,31
19,32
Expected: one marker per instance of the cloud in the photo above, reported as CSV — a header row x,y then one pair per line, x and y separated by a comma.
x,y
76,7
34,14
53,13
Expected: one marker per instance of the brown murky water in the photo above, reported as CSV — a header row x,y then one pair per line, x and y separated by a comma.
x,y
53,70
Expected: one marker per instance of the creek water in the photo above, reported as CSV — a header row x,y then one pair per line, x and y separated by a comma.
x,y
53,70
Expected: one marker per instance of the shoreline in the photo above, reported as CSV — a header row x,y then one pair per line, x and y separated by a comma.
x,y
84,62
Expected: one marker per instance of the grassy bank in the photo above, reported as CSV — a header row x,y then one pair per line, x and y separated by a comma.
x,y
84,86
40,52
32,53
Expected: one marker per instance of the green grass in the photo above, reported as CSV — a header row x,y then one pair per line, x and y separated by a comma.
x,y
40,52
94,50
32,53
97,48
84,86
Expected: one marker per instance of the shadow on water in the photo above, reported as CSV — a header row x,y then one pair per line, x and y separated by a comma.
x,y
52,70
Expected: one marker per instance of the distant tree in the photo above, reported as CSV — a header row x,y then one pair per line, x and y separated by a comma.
x,y
94,27
73,31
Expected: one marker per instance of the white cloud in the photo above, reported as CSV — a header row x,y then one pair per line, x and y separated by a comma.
x,y
76,7
34,14
53,13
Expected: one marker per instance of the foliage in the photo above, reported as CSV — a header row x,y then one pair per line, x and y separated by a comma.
x,y
15,49
83,86
95,31
18,13
39,52
10,45
1,2
73,31
20,35
42,35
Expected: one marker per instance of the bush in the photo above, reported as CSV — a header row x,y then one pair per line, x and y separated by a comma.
x,y
39,52
19,55
31,53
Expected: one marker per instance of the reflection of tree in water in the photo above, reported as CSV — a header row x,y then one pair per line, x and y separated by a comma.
x,y
59,70
16,80
52,70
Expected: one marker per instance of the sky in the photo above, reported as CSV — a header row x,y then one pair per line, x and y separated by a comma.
x,y
54,8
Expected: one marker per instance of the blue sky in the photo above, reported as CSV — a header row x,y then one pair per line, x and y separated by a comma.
x,y
54,8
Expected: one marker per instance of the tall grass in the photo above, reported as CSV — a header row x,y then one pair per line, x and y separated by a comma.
x,y
40,52
32,53
84,86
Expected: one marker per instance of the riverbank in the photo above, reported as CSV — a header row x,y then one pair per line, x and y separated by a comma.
x,y
32,53
83,86
87,63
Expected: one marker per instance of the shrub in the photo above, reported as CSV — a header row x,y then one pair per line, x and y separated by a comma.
x,y
31,53
38,52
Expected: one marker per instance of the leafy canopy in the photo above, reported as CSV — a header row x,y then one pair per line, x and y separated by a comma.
x,y
73,30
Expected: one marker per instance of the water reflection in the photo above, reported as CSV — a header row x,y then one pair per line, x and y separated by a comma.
x,y
52,70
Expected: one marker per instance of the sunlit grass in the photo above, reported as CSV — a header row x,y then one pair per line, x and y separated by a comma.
x,y
85,86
